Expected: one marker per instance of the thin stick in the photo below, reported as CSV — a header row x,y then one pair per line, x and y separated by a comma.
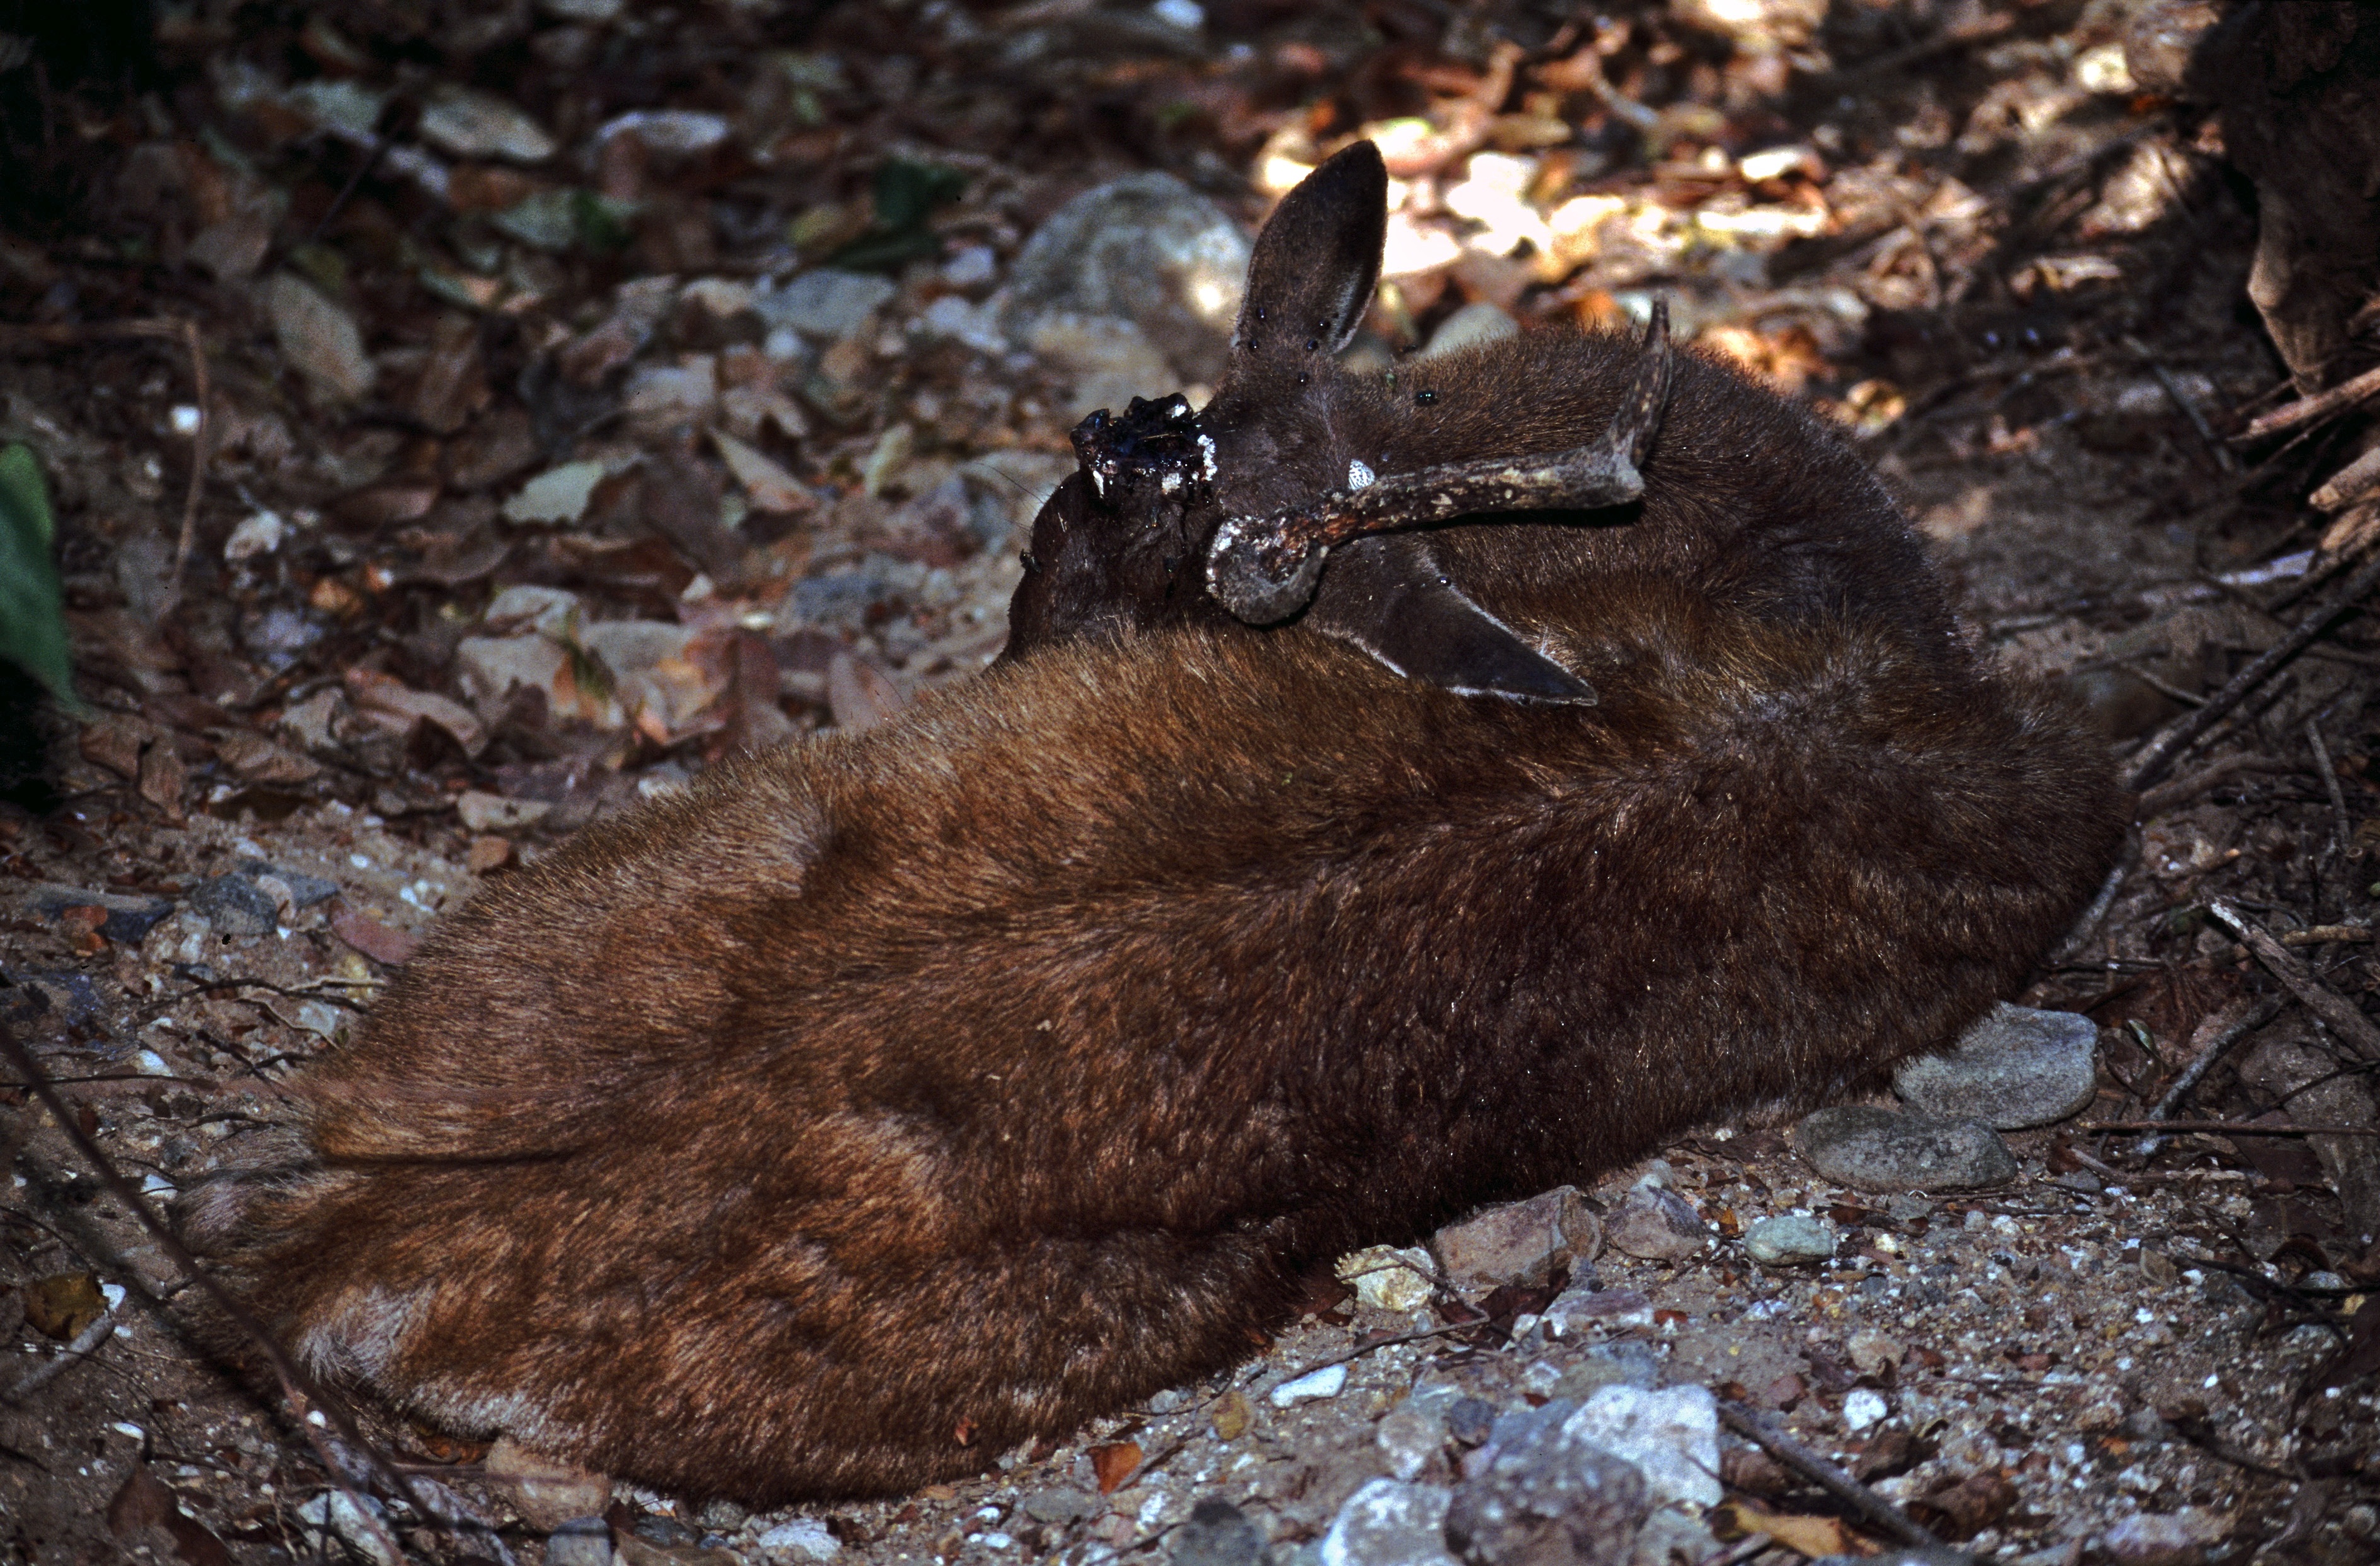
x,y
85,1342
2152,759
2343,1017
171,329
2305,410
2341,830
284,1366
2213,1035
2231,1128
2105,899
1871,1506
2157,801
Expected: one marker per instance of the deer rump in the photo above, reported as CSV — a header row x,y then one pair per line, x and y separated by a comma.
x,y
889,1099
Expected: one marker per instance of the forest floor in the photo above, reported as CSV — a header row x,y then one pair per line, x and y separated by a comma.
x,y
529,477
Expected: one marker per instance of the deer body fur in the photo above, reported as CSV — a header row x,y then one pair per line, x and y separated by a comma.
x,y
886,1100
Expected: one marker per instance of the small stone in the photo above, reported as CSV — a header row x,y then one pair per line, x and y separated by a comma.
x,y
1059,1505
1871,1351
825,303
1864,1407
1518,1242
2016,1067
1628,1362
2176,1538
234,906
1583,1305
1470,1420
488,853
1657,1224
1411,1437
1673,1436
804,1538
1312,1387
1217,1533
1542,1493
258,759
720,1514
1389,1523
1388,1276
549,1495
1232,1415
1877,1150
1789,1241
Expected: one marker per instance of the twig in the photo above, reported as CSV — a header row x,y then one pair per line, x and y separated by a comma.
x,y
172,329
1742,1549
1871,1506
2343,1017
86,1341
2342,831
2157,801
284,1366
2213,1035
2152,760
2231,1128
2105,899
2305,410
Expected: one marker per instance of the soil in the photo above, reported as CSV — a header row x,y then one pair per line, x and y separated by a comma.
x,y
2017,280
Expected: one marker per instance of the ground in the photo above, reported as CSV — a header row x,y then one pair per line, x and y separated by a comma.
x,y
512,505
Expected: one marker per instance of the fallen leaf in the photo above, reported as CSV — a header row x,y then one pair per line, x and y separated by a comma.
x,y
320,339
1113,1463
765,481
260,760
376,692
374,939
62,1305
146,1501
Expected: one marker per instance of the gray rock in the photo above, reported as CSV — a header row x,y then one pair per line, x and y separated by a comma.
x,y
1059,1505
1482,320
824,303
305,890
1626,1362
235,905
1412,1438
129,918
1877,1150
2016,1067
2176,1539
581,1541
1583,1305
1540,1494
1671,1436
1789,1241
721,1514
1146,250
1217,1533
1518,1242
1470,1420
1657,1224
1669,1536
1389,1523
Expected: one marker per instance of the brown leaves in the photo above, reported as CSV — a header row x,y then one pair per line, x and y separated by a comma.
x,y
146,1503
61,1305
1113,1463
374,939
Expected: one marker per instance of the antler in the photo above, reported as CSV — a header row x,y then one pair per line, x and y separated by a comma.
x,y
1264,569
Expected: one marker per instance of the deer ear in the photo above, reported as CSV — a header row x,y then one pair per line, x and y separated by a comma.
x,y
1311,278
1386,595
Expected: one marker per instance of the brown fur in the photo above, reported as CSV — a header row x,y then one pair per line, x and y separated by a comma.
x,y
886,1100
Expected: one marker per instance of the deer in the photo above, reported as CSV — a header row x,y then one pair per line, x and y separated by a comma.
x,y
1403,791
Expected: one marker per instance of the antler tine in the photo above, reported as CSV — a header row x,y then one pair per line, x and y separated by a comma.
x,y
1264,569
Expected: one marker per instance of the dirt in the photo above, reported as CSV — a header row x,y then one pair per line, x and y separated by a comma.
x,y
2019,284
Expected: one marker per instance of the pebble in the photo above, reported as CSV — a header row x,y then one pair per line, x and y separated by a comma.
x,y
319,338
825,303
304,891
1060,1504
1520,1243
480,125
2016,1067
1470,1420
1311,1387
804,1538
494,812
234,906
129,918
1541,1492
1146,250
2176,1539
1789,1241
1217,1533
1388,1277
1672,1436
1657,1224
1583,1305
1877,1150
1390,1522
558,494
1411,1437
1864,1407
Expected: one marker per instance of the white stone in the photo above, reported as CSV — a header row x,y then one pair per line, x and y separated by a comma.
x,y
1389,1523
1672,1435
804,1538
1311,1387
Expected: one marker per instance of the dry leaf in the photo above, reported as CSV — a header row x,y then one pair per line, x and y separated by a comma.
x,y
1114,1464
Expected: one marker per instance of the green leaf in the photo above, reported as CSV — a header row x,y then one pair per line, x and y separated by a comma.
x,y
32,613
906,195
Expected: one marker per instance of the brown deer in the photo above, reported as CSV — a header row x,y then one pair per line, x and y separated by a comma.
x,y
1304,877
